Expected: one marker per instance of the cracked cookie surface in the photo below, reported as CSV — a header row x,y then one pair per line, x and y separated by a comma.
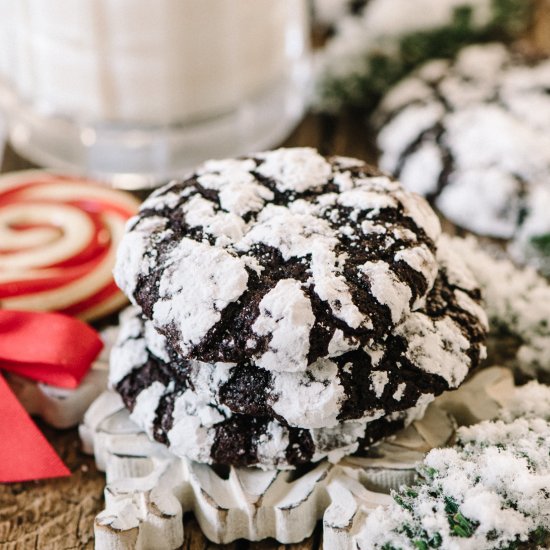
x,y
431,351
280,259
163,402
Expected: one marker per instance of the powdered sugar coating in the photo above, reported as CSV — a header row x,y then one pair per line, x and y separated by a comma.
x,y
440,344
133,252
130,348
429,352
181,411
484,151
351,250
387,288
196,283
285,313
294,171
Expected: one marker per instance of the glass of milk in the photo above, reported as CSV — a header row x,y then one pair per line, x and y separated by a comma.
x,y
138,91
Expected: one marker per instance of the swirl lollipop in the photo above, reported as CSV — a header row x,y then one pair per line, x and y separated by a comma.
x,y
58,238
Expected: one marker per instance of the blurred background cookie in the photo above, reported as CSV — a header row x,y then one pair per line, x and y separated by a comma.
x,y
473,136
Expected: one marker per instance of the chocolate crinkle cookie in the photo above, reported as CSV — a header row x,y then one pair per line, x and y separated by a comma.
x,y
279,259
162,399
289,308
431,351
473,136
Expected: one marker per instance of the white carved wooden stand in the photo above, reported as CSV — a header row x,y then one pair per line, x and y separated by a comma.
x,y
148,489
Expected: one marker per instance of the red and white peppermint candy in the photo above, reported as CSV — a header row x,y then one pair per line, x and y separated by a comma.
x,y
58,239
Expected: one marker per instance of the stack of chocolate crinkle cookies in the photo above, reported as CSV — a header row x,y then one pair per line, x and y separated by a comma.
x,y
287,308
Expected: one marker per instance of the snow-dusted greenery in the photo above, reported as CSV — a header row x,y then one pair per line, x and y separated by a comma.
x,y
490,491
372,50
529,401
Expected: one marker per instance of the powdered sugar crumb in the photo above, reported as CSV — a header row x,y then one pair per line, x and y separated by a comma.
x,y
286,315
297,169
379,379
272,445
398,394
132,251
388,289
310,399
197,283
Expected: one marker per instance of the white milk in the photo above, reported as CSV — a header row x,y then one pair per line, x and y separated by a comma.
x,y
146,63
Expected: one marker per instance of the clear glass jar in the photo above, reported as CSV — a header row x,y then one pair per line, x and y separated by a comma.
x,y
138,91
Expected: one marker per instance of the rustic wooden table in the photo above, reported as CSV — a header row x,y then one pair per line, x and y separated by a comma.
x,y
59,514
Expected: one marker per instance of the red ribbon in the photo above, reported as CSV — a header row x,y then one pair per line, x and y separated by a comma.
x,y
46,347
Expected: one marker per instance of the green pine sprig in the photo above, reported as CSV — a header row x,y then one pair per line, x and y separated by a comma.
x,y
378,70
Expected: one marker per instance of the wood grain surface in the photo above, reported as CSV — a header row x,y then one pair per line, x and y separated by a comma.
x,y
59,514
